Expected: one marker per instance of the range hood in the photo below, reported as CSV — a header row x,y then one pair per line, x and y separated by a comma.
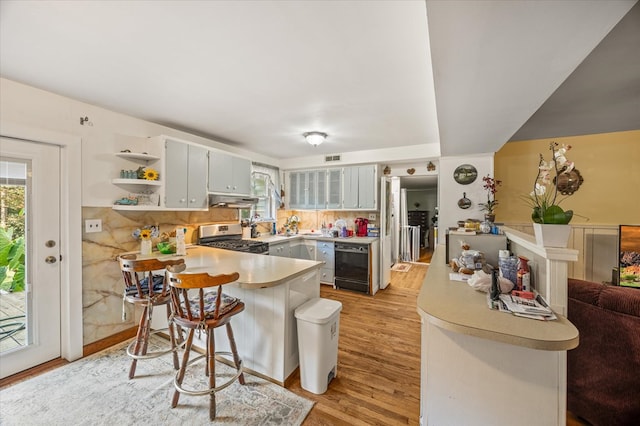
x,y
232,201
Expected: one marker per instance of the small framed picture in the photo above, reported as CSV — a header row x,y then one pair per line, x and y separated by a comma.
x,y
465,174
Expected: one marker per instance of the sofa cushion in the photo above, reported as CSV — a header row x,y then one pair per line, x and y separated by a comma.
x,y
619,299
603,372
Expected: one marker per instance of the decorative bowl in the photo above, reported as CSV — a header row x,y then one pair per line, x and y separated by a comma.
x,y
166,247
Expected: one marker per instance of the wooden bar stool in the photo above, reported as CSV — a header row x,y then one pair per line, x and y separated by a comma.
x,y
205,311
145,289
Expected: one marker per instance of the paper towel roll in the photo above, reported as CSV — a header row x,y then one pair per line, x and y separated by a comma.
x,y
246,233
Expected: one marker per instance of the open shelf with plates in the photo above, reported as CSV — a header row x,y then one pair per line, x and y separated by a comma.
x,y
141,182
137,156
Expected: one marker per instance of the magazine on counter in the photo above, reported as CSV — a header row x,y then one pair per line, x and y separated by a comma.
x,y
528,308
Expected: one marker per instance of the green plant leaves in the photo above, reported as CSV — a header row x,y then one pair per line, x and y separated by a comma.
x,y
12,259
551,215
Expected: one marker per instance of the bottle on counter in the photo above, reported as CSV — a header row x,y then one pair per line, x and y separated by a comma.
x,y
181,248
523,276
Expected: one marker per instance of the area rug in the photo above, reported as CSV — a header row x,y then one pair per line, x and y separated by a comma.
x,y
97,391
401,267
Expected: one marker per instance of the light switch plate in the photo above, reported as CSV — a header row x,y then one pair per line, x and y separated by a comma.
x,y
372,216
92,225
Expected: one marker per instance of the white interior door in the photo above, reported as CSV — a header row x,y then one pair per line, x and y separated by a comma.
x,y
33,327
387,228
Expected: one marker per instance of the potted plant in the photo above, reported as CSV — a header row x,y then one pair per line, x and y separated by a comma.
x,y
491,186
544,198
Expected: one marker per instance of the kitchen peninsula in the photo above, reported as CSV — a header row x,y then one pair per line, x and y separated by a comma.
x,y
271,288
485,367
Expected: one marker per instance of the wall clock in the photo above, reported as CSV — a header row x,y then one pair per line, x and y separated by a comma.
x,y
465,174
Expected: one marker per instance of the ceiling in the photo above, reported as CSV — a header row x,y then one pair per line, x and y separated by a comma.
x,y
258,74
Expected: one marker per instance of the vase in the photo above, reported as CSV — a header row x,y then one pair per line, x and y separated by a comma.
x,y
485,227
490,217
551,235
145,247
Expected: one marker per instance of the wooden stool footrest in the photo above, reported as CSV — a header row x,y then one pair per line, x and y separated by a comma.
x,y
149,355
226,384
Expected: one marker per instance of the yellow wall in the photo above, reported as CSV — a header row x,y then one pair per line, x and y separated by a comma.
x,y
608,162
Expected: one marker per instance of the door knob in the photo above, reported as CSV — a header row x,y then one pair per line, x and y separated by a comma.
x,y
50,259
50,243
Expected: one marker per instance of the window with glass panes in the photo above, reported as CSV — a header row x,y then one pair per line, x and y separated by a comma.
x,y
264,186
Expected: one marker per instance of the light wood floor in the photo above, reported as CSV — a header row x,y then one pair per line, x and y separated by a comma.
x,y
378,380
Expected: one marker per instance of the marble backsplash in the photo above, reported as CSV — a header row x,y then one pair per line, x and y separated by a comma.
x,y
102,281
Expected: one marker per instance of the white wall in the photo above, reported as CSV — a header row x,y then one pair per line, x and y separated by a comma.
x,y
450,191
106,132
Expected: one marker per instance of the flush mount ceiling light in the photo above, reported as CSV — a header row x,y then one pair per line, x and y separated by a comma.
x,y
315,138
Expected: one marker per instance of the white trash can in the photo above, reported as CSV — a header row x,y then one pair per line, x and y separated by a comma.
x,y
318,329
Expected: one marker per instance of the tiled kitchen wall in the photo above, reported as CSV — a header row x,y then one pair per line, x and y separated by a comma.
x,y
310,219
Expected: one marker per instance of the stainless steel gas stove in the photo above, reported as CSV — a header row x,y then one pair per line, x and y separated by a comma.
x,y
228,236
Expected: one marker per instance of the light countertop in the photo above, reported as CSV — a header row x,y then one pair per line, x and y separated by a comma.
x,y
455,306
256,270
315,237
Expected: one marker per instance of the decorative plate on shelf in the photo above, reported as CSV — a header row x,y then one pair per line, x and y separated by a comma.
x,y
465,174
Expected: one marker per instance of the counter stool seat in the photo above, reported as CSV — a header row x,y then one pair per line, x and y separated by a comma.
x,y
206,310
137,274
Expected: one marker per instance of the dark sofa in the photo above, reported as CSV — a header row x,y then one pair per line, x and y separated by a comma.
x,y
603,372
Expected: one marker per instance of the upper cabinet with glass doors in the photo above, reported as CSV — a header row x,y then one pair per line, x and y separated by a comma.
x,y
308,189
348,188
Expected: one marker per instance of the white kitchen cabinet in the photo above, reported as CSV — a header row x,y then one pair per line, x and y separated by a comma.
x,y
280,249
308,189
303,249
334,188
318,190
229,174
349,188
359,186
266,332
185,175
325,253
297,190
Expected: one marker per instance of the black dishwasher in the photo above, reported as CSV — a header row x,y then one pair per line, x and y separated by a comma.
x,y
352,267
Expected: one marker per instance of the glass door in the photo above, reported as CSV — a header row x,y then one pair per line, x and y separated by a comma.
x,y
29,254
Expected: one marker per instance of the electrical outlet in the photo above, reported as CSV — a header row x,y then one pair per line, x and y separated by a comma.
x,y
372,216
92,225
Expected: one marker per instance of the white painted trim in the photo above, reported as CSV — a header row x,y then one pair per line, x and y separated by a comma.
x,y
70,229
551,274
529,242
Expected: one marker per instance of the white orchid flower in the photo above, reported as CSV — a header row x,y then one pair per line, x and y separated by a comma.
x,y
539,191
